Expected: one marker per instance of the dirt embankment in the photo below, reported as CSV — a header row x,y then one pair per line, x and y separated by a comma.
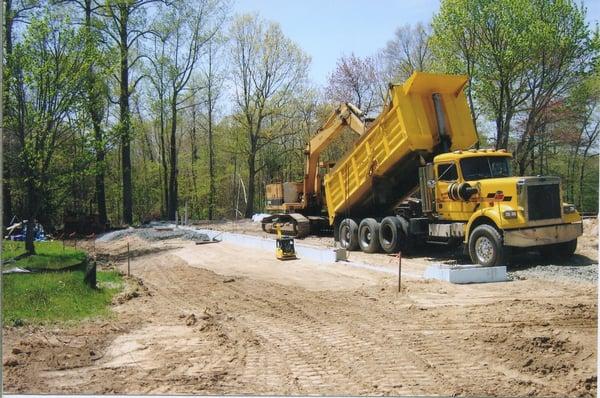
x,y
192,330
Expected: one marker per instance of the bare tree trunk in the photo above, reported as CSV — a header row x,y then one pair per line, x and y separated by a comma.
x,y
163,159
173,160
6,193
100,188
6,182
211,158
194,146
590,143
96,118
125,117
32,204
233,183
251,181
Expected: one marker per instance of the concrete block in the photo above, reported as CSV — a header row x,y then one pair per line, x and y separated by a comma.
x,y
340,254
470,273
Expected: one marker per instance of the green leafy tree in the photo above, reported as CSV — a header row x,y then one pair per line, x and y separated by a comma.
x,y
16,12
267,69
126,24
52,63
520,55
489,40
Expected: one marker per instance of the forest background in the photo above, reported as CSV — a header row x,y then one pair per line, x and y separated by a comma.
x,y
132,110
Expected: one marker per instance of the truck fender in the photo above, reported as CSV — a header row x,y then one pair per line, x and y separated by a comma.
x,y
483,216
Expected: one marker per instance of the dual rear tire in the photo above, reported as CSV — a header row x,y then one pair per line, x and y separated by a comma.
x,y
371,236
368,235
393,234
485,246
349,234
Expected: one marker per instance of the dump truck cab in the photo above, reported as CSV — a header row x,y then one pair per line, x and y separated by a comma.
x,y
474,192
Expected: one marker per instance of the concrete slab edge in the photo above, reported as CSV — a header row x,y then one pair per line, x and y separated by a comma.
x,y
321,255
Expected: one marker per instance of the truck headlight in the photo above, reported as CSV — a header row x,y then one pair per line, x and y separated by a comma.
x,y
569,209
510,214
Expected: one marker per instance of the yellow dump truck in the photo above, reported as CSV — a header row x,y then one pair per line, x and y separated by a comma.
x,y
422,143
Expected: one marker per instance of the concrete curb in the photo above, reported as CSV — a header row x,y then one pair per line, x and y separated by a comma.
x,y
317,254
320,255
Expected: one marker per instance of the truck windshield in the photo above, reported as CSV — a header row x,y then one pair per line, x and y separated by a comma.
x,y
485,167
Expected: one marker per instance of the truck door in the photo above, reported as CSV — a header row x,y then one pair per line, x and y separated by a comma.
x,y
445,174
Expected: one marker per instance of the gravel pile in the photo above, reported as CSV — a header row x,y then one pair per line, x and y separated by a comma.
x,y
582,267
579,268
575,273
154,234
114,235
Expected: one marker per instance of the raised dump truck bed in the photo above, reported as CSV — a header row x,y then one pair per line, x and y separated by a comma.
x,y
382,170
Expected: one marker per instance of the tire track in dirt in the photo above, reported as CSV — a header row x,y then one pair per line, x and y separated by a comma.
x,y
257,337
358,352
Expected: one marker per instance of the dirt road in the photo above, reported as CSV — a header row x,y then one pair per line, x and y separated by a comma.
x,y
218,319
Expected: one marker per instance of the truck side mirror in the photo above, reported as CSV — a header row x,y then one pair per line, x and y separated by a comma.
x,y
430,184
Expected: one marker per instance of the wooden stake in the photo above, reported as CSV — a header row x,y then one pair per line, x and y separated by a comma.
x,y
399,272
128,261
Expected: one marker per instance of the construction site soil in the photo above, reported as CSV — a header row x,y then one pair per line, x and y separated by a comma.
x,y
221,319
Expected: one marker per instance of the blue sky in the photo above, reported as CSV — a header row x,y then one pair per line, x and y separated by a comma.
x,y
327,29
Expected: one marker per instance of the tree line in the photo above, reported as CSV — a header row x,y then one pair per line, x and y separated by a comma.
x,y
132,110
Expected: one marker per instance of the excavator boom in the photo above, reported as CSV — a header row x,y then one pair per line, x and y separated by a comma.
x,y
283,199
344,115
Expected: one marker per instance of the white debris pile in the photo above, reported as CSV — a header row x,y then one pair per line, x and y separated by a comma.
x,y
259,216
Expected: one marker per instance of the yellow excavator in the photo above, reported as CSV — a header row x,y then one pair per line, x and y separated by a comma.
x,y
301,204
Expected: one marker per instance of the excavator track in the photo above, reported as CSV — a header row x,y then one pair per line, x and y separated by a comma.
x,y
300,224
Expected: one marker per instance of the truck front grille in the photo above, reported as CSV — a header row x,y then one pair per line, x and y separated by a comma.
x,y
543,201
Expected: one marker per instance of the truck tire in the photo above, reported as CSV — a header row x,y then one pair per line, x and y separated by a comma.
x,y
485,246
349,234
391,234
368,235
558,250
407,243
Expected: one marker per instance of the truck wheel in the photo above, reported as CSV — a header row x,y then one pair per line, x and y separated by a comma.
x,y
368,235
391,235
559,250
406,243
485,246
349,234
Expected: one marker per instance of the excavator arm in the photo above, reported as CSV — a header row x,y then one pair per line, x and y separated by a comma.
x,y
303,215
344,115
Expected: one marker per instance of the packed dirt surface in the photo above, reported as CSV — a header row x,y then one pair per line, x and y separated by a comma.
x,y
221,319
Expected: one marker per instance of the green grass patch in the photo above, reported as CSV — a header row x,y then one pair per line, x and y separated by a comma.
x,y
56,296
49,255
